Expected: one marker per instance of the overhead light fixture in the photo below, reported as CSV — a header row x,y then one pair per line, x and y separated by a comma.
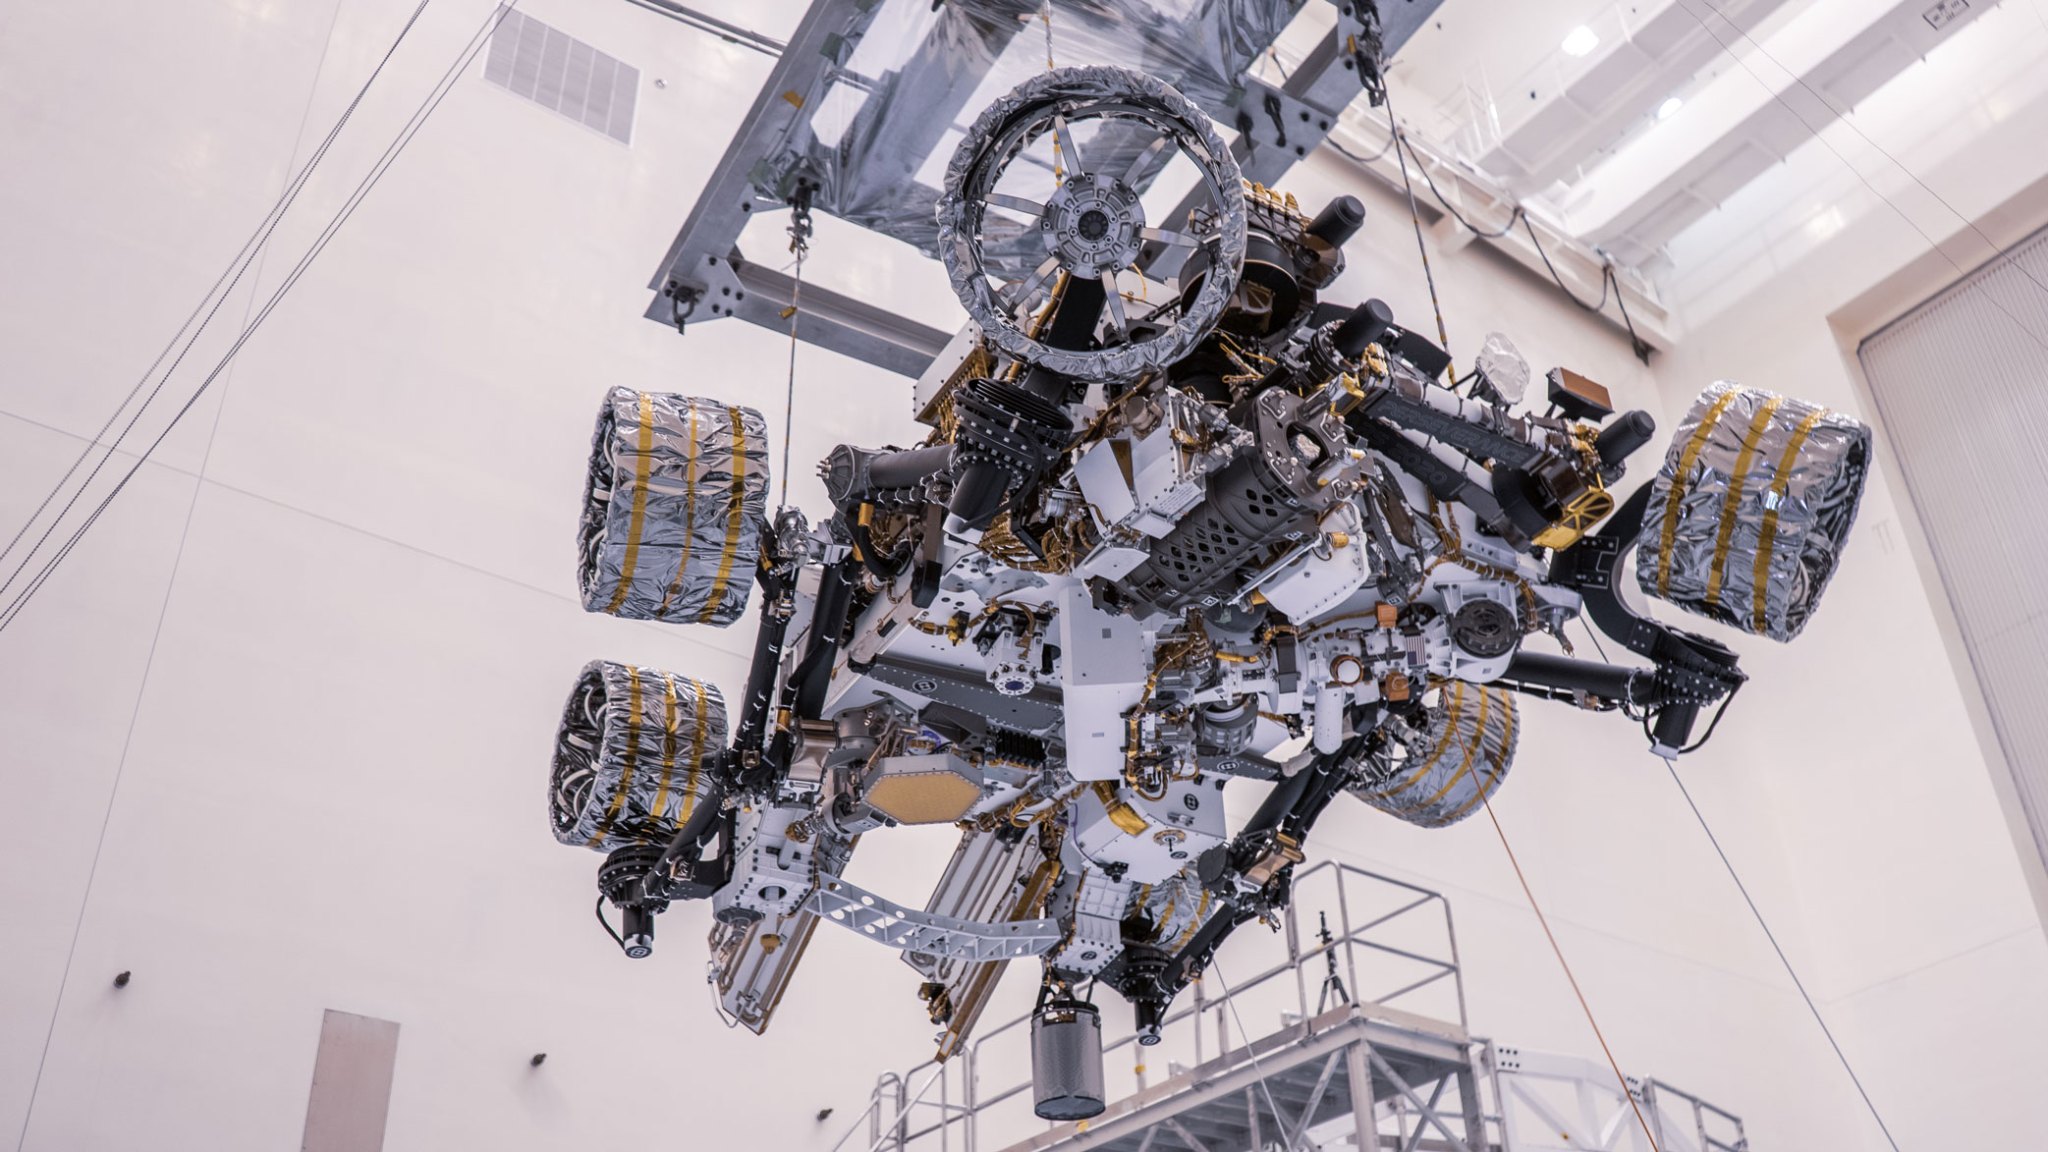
x,y
1580,41
1668,107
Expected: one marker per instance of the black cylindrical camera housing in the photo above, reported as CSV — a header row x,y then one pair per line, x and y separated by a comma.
x,y
1367,323
1620,439
637,930
1339,221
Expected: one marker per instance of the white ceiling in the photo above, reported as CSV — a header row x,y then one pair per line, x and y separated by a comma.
x,y
1786,118
1580,138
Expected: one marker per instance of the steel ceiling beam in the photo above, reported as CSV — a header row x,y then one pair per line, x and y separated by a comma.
x,y
704,22
704,275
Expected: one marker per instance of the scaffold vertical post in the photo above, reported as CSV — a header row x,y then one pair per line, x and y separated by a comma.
x,y
1360,1078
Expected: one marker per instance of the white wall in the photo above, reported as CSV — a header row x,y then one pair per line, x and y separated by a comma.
x,y
314,656
1923,916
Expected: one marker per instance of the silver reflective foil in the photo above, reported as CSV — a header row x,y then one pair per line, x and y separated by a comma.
x,y
630,755
995,140
1451,762
877,144
673,508
1748,515
1176,909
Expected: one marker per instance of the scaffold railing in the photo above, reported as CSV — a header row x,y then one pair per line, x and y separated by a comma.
x,y
1349,1031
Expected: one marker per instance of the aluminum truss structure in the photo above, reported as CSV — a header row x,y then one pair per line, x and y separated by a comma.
x,y
863,166
1397,1070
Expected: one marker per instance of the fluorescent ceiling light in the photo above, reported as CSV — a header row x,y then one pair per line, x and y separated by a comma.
x,y
1581,41
1668,107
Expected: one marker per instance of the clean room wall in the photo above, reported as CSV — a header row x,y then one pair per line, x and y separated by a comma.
x,y
305,673
1922,910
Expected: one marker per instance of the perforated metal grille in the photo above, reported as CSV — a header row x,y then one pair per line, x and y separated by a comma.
x,y
563,75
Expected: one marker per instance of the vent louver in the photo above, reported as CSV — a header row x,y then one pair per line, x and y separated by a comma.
x,y
564,75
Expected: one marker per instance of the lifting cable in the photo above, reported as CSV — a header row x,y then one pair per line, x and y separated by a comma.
x,y
249,250
1059,173
230,277
1672,767
428,104
800,245
1777,94
1415,214
1626,1092
1757,912
1610,285
1251,1050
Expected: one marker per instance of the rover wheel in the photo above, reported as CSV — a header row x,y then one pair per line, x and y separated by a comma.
x,y
1011,239
631,755
1441,770
673,508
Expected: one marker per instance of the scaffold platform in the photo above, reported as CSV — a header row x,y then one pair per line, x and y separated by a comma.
x,y
1398,1071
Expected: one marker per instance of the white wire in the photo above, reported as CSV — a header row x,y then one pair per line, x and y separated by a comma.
x,y
1250,1050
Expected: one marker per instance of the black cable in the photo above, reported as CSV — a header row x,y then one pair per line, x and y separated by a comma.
x,y
1636,343
1285,76
1609,283
1782,958
1606,278
616,938
1354,157
383,164
1650,719
1400,140
238,266
1593,634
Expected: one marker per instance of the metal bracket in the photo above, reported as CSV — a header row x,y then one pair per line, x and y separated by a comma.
x,y
1361,38
1276,119
776,145
886,922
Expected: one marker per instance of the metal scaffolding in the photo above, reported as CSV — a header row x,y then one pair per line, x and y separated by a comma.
x,y
1397,1069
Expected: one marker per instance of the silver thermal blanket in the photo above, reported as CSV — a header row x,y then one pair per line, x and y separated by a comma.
x,y
630,756
1747,516
1453,761
673,508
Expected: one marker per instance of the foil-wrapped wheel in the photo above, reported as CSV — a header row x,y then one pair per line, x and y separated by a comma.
x,y
1439,771
1749,513
1091,227
673,508
632,756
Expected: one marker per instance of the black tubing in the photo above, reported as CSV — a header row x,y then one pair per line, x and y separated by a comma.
x,y
892,470
828,619
688,839
1606,681
760,691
